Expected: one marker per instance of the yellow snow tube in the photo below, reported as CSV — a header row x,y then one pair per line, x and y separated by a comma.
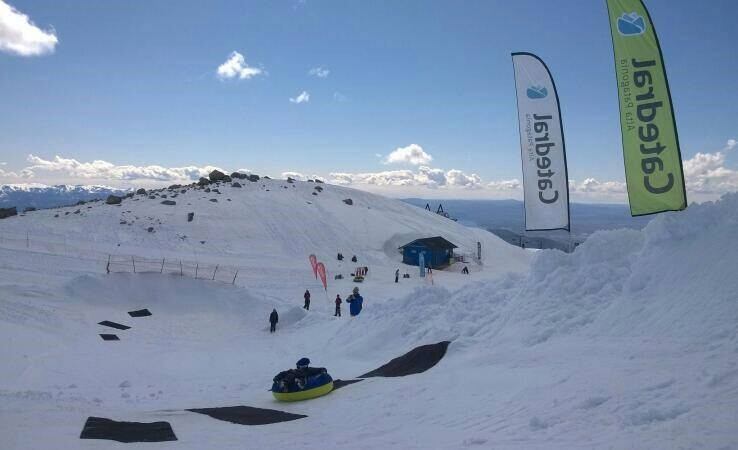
x,y
303,395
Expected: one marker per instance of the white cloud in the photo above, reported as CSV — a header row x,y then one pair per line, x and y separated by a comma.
x,y
295,175
319,72
236,67
20,36
730,145
705,173
424,177
459,178
505,185
304,97
71,169
592,185
412,154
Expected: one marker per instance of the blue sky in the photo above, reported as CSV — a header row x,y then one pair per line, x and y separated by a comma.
x,y
135,83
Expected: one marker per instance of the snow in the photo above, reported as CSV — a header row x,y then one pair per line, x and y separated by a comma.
x,y
629,342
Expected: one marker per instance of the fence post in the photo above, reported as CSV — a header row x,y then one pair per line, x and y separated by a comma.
x,y
162,266
215,271
107,268
134,264
234,277
28,243
196,266
181,273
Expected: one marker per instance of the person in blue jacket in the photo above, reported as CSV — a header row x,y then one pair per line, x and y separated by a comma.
x,y
356,302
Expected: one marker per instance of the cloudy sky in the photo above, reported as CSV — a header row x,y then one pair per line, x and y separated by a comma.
x,y
411,98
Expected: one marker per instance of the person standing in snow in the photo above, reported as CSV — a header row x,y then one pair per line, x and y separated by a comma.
x,y
307,300
465,270
273,319
356,302
338,306
397,276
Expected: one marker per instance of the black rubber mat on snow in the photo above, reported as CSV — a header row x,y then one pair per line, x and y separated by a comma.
x,y
118,326
246,415
109,337
101,428
338,384
139,313
417,360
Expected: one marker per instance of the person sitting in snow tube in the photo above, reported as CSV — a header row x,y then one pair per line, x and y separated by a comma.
x,y
302,383
356,302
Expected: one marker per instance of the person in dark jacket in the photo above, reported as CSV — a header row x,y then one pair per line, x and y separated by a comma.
x,y
338,306
465,270
273,319
307,300
353,258
397,276
295,379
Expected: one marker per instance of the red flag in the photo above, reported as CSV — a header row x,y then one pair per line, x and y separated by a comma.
x,y
314,263
320,268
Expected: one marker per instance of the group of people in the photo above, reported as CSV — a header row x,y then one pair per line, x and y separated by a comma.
x,y
340,257
355,301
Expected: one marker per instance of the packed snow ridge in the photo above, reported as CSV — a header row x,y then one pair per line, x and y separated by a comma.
x,y
629,342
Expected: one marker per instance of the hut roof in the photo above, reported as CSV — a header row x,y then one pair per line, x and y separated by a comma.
x,y
434,243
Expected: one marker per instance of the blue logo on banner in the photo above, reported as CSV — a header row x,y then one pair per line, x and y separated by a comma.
x,y
631,24
536,92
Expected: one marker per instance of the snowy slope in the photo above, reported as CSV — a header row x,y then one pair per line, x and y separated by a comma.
x,y
630,342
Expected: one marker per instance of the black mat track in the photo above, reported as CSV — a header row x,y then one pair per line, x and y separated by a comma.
x,y
109,337
246,415
118,326
101,428
139,313
338,384
417,360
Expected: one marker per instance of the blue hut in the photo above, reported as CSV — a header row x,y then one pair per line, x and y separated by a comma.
x,y
437,252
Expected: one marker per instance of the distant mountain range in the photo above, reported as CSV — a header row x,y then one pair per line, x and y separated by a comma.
x,y
505,218
40,196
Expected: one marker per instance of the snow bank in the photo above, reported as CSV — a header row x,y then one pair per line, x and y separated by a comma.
x,y
676,278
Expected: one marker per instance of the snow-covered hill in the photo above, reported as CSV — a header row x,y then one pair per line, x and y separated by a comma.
x,y
630,342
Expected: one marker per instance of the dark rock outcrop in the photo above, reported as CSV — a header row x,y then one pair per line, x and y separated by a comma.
x,y
203,181
236,184
113,200
216,175
169,202
141,191
7,212
348,201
